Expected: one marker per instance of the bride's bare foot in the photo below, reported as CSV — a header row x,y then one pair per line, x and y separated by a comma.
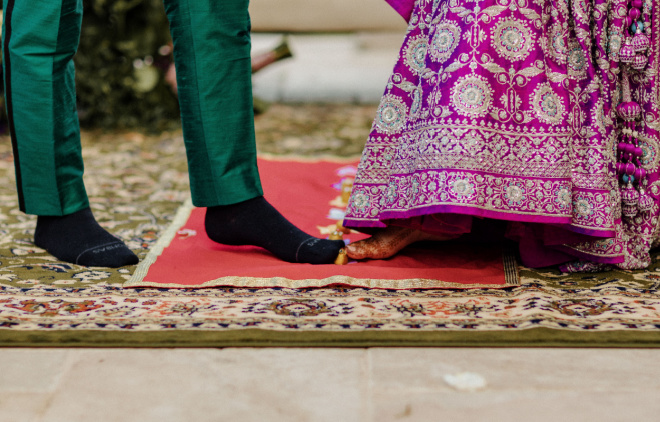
x,y
388,242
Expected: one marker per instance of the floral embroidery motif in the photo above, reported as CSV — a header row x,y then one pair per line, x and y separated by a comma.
x,y
512,39
649,158
547,104
515,193
581,10
359,200
415,54
472,142
557,48
444,41
391,115
614,45
390,194
413,190
472,96
577,61
462,187
583,207
416,106
655,188
563,198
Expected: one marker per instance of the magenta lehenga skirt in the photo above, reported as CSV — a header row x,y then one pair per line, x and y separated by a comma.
x,y
541,114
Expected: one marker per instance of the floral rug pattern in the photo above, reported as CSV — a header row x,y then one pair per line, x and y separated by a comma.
x,y
104,307
136,184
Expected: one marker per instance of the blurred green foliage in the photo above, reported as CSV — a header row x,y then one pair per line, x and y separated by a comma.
x,y
121,64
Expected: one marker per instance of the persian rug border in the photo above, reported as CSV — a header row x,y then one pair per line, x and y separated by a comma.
x,y
533,337
511,271
526,316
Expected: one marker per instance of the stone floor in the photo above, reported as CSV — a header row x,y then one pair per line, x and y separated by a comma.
x,y
309,385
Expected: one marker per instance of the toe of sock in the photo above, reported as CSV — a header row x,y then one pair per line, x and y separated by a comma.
x,y
114,255
319,251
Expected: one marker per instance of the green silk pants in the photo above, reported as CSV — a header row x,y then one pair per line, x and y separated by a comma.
x,y
212,57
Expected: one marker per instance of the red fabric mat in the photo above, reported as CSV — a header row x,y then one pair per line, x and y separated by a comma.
x,y
308,194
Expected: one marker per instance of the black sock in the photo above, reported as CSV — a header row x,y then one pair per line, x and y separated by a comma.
x,y
77,238
256,222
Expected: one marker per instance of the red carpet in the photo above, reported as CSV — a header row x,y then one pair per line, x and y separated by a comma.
x,y
308,194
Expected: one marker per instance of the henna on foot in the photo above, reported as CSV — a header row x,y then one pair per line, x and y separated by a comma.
x,y
388,242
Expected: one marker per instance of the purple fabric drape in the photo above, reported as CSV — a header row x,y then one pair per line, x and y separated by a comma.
x,y
543,114
403,7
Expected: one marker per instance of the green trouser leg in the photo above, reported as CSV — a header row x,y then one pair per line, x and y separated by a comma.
x,y
212,53
40,38
212,57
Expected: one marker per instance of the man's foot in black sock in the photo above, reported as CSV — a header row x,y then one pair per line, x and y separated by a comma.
x,y
256,222
77,238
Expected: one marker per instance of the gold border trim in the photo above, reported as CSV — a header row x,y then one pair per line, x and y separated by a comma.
x,y
257,282
180,219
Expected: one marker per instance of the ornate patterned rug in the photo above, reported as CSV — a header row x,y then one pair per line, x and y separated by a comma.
x,y
534,314
137,184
